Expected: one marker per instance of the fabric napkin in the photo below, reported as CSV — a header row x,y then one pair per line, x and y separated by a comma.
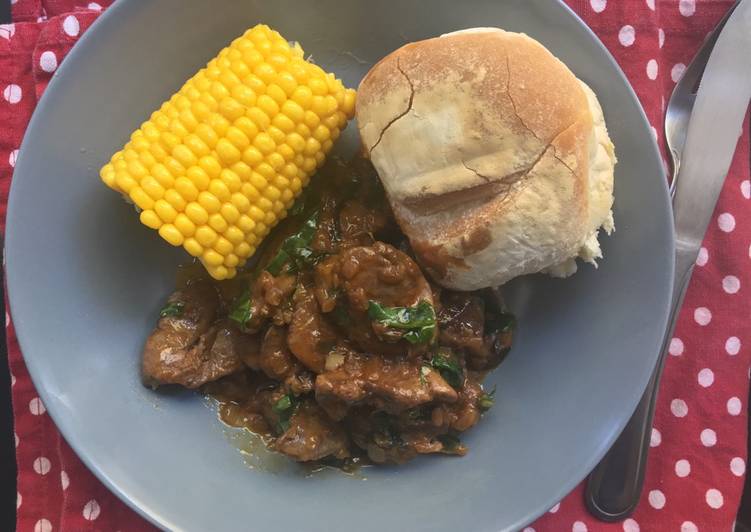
x,y
698,458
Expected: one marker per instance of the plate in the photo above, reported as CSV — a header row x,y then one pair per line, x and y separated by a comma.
x,y
86,280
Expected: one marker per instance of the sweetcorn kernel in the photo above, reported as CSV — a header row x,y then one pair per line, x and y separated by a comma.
x,y
218,223
150,219
170,233
205,236
184,225
212,258
192,246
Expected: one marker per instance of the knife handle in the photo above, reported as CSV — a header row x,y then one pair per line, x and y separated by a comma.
x,y
615,484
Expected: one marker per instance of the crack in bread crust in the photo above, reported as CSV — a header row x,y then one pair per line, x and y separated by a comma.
x,y
402,114
529,129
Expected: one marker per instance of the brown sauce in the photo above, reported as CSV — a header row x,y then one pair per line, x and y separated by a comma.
x,y
348,354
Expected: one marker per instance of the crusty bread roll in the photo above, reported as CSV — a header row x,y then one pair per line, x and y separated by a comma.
x,y
494,156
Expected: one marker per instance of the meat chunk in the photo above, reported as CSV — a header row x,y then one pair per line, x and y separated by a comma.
x,y
327,283
312,435
389,384
168,357
358,224
384,274
270,299
326,237
310,336
387,440
464,413
186,348
466,324
274,357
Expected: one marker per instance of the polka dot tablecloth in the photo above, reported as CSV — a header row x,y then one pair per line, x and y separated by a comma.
x,y
697,462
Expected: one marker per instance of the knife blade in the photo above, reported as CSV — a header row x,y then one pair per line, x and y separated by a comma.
x,y
615,485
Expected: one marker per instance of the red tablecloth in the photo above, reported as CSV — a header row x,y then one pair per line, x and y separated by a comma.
x,y
698,459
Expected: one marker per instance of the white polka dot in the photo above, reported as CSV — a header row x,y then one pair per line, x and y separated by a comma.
x,y
688,526
91,510
15,437
71,26
652,69
687,7
43,525
708,438
677,71
732,345
678,407
12,158
738,466
42,465
529,529
579,527
726,221
7,318
714,498
654,132
703,257
19,500
656,499
702,316
64,480
12,93
656,438
682,468
48,61
627,35
705,377
651,4
555,508
36,406
661,37
731,284
629,525
734,406
94,6
7,30
676,347
598,6
746,188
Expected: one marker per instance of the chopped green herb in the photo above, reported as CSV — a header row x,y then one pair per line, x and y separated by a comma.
x,y
299,206
277,263
451,443
418,321
419,413
241,309
486,401
448,366
386,435
284,408
502,323
172,309
295,250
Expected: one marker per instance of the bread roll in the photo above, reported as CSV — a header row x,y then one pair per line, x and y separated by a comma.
x,y
494,156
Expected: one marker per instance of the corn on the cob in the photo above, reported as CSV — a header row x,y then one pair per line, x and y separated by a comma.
x,y
221,162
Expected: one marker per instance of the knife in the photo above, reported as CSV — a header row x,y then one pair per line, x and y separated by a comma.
x,y
615,485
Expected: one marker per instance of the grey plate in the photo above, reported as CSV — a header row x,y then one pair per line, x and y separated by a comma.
x,y
86,279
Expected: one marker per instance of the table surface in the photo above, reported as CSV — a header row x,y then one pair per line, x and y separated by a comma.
x,y
7,444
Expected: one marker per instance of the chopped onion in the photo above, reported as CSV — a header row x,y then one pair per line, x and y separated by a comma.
x,y
334,360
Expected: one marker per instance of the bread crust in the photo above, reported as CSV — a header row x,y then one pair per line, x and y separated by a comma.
x,y
483,141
